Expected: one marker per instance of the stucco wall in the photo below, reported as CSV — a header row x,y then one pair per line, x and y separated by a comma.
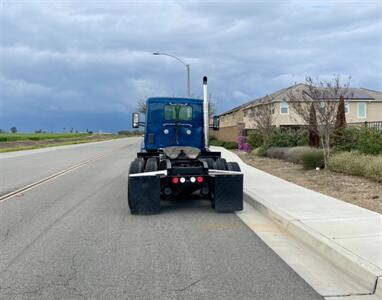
x,y
373,112
277,118
227,134
231,119
292,118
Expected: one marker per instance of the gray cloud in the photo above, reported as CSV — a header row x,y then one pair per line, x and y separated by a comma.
x,y
80,57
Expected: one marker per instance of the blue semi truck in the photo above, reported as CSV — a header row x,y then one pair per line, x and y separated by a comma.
x,y
175,159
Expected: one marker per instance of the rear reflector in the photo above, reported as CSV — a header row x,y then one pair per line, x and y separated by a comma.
x,y
199,179
175,180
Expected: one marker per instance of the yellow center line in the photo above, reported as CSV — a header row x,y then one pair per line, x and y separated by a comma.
x,y
49,178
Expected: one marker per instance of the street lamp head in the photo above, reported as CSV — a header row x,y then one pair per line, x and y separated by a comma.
x,y
156,53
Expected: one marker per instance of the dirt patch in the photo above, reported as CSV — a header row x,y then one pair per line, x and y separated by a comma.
x,y
355,190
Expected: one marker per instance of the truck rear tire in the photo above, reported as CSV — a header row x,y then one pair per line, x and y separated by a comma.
x,y
220,164
210,162
233,166
151,165
137,166
143,192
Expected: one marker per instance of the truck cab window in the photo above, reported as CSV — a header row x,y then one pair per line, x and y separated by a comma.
x,y
177,112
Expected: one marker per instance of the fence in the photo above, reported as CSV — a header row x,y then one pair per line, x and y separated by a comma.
x,y
376,125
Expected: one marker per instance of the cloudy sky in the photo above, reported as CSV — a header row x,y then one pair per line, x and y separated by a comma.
x,y
78,64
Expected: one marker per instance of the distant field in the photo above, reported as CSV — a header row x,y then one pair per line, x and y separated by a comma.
x,y
11,137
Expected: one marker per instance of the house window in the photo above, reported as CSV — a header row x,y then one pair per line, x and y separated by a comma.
x,y
272,109
346,107
284,108
322,107
361,110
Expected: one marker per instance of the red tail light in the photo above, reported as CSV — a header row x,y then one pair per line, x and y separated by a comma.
x,y
199,179
175,180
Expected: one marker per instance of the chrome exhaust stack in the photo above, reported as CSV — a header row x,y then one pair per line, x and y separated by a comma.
x,y
206,114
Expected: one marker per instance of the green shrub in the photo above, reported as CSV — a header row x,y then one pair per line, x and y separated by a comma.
x,y
288,138
295,154
230,145
215,142
262,150
347,139
370,141
355,163
313,158
254,152
255,139
227,145
301,137
279,138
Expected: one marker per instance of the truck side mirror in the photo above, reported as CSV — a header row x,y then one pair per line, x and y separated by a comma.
x,y
135,120
216,123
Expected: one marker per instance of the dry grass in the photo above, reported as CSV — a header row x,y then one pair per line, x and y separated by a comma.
x,y
354,163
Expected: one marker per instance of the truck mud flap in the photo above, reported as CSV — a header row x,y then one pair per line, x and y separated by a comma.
x,y
228,193
143,193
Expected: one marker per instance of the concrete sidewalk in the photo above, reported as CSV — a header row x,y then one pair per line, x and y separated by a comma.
x,y
347,235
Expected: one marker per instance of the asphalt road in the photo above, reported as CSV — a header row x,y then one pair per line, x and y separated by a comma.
x,y
73,238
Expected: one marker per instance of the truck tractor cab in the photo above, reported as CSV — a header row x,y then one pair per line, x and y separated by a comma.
x,y
175,159
173,122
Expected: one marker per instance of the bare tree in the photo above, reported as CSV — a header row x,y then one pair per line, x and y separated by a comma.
x,y
323,96
212,108
142,106
262,115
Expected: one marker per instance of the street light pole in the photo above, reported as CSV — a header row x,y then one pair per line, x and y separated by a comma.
x,y
188,81
183,63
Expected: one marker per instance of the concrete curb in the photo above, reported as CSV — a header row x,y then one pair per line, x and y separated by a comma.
x,y
356,267
359,269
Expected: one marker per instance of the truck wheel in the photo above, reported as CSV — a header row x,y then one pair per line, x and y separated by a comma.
x,y
137,166
233,166
210,163
220,164
151,165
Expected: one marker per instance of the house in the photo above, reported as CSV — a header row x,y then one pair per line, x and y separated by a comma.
x,y
231,122
361,105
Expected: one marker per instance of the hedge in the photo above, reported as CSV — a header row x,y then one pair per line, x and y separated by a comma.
x,y
227,145
370,141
